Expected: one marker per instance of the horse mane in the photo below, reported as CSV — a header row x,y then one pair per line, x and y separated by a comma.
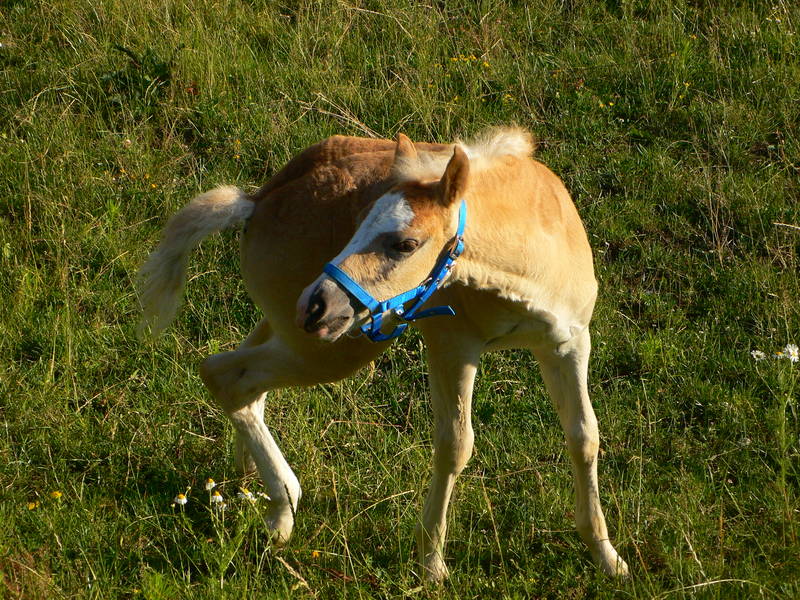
x,y
483,150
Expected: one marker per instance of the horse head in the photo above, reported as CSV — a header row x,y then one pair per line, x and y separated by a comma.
x,y
403,242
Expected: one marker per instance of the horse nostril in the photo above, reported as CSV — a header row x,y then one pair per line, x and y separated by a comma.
x,y
315,311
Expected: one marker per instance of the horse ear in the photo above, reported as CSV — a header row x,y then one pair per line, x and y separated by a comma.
x,y
455,178
405,149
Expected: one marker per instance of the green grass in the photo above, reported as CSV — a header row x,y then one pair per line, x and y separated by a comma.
x,y
676,125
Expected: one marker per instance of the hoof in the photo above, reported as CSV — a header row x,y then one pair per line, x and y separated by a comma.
x,y
618,569
434,571
280,522
611,563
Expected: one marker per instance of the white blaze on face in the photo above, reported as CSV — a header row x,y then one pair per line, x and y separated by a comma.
x,y
390,213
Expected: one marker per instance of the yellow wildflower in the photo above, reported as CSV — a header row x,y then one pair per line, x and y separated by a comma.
x,y
55,494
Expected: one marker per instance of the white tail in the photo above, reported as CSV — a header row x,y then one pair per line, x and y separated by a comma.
x,y
162,277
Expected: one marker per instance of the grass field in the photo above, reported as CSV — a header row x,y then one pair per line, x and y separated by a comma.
x,y
676,126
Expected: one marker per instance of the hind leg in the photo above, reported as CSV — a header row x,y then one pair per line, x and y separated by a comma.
x,y
565,375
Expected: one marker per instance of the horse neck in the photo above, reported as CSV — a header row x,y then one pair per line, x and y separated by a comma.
x,y
524,238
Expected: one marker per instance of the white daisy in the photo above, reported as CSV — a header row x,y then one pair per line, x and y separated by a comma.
x,y
792,353
246,494
210,484
758,355
180,499
216,498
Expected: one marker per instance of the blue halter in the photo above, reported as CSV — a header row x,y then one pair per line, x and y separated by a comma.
x,y
421,293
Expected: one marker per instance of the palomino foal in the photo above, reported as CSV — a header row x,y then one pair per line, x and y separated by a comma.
x,y
384,216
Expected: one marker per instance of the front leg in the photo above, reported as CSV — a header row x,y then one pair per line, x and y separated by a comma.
x,y
565,375
243,459
452,362
238,380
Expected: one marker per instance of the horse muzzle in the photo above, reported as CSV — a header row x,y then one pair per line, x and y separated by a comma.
x,y
324,310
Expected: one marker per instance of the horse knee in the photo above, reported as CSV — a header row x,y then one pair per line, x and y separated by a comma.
x,y
583,443
208,374
223,379
453,448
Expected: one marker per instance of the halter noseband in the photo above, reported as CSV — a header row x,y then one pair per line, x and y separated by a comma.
x,y
421,293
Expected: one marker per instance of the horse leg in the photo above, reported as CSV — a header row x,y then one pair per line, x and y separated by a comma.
x,y
452,363
565,375
242,458
238,381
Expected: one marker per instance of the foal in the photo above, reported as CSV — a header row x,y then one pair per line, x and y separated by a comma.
x,y
384,217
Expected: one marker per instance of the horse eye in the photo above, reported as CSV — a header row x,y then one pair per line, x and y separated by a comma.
x,y
406,246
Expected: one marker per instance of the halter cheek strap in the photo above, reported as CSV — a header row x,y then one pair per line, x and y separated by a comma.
x,y
396,305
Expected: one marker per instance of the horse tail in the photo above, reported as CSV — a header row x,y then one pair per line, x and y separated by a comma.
x,y
163,275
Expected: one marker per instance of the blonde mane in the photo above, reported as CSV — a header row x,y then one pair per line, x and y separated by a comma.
x,y
482,150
